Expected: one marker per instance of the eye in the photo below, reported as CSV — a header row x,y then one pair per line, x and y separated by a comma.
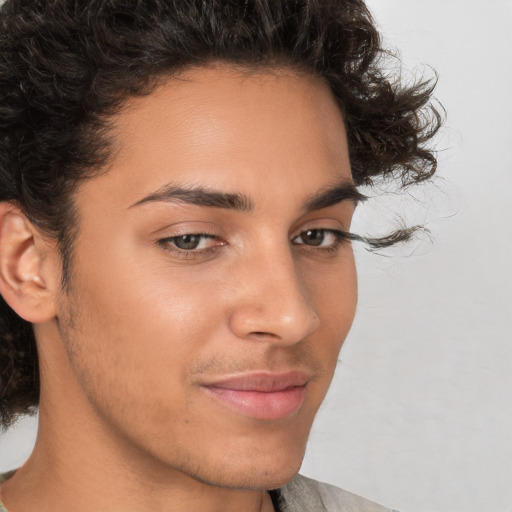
x,y
191,242
322,238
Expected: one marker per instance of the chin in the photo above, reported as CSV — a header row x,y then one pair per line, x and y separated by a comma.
x,y
266,471
251,480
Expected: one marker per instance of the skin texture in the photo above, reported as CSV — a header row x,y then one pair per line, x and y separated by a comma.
x,y
125,422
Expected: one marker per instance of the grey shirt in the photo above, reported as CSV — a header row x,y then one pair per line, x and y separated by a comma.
x,y
306,495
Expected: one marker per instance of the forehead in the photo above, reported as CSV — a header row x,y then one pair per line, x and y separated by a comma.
x,y
224,127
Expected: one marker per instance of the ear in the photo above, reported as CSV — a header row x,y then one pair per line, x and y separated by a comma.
x,y
27,275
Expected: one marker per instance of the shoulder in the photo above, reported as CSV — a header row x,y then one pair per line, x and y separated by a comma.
x,y
304,494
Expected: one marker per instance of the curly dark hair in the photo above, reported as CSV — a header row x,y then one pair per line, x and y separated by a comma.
x,y
66,66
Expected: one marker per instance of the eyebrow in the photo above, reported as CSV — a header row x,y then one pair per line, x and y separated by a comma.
x,y
199,196
202,196
330,196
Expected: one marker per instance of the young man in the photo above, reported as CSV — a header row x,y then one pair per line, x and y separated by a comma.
x,y
177,185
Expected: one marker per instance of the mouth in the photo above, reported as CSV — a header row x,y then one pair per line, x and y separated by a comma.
x,y
264,396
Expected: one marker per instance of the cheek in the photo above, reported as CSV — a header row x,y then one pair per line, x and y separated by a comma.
x,y
333,289
136,341
333,294
152,316
138,327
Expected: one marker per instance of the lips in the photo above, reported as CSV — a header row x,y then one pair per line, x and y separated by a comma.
x,y
265,396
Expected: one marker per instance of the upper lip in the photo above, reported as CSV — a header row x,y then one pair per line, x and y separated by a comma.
x,y
264,382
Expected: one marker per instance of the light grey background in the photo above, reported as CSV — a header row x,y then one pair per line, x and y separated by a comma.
x,y
419,416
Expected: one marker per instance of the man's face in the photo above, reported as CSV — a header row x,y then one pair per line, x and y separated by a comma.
x,y
202,329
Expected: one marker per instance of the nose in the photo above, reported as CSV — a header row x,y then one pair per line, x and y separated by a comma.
x,y
271,302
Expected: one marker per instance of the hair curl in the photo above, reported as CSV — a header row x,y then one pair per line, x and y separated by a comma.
x,y
66,66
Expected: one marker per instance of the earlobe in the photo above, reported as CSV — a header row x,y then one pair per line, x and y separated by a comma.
x,y
23,284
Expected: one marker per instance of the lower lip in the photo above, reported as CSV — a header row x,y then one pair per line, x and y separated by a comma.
x,y
261,405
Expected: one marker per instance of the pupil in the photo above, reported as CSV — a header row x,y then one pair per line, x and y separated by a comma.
x,y
187,242
313,237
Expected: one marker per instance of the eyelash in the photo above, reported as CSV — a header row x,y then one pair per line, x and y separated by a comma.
x,y
340,237
168,243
